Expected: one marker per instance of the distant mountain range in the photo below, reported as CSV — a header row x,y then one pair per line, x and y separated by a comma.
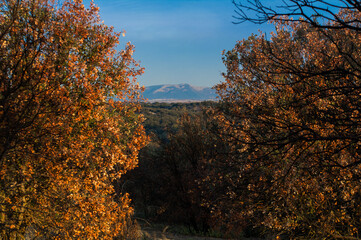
x,y
178,93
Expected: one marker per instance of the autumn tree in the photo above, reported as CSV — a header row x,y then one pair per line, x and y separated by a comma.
x,y
290,115
63,138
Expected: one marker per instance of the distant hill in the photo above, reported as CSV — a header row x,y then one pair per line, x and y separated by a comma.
x,y
178,93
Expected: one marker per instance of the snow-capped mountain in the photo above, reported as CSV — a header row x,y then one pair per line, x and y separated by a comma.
x,y
178,92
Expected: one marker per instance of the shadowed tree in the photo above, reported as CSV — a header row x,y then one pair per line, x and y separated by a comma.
x,y
291,117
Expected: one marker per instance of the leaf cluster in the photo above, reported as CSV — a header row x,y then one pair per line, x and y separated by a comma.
x,y
63,141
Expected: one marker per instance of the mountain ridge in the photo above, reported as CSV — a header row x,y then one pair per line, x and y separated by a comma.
x,y
178,93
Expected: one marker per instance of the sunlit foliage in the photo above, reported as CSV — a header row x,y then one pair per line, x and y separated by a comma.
x,y
63,140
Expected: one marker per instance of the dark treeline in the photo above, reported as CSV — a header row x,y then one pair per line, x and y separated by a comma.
x,y
164,187
172,182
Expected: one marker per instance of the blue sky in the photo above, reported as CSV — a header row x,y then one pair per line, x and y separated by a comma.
x,y
177,41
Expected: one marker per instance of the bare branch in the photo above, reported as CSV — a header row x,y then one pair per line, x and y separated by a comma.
x,y
318,13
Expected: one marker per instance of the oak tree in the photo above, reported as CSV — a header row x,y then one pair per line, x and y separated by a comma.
x,y
291,118
63,137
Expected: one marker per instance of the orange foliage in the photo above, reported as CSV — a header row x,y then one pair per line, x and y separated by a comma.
x,y
63,140
291,110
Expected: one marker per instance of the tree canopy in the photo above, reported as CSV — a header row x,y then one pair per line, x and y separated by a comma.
x,y
290,115
63,140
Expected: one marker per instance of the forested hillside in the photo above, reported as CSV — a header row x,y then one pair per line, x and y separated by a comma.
x,y
164,118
